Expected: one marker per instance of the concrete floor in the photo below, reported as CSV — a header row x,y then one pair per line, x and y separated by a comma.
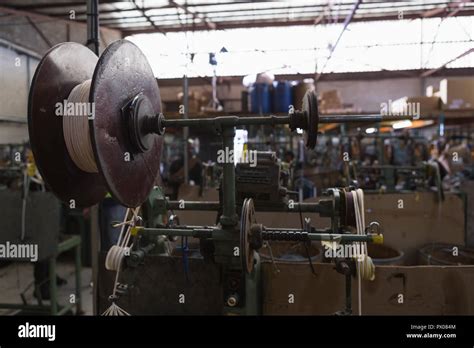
x,y
15,278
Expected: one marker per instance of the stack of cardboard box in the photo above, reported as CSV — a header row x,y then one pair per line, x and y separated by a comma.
x,y
457,93
450,94
330,101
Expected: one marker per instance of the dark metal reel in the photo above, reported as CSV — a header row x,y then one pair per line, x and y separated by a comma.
x,y
310,110
62,68
247,219
121,74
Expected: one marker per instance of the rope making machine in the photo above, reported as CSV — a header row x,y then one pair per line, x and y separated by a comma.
x,y
116,145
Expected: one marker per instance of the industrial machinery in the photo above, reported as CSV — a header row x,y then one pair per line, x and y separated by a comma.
x,y
392,178
116,148
379,169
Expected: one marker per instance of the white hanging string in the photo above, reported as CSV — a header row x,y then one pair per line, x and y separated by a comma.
x,y
76,128
115,257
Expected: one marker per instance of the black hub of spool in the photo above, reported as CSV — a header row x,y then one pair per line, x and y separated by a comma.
x,y
141,123
307,119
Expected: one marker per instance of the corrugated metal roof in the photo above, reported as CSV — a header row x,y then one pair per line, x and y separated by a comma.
x,y
144,16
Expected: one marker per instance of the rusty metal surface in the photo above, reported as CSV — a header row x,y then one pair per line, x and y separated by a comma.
x,y
121,73
63,67
160,281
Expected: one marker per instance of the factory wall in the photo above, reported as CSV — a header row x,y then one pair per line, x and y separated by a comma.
x,y
21,48
364,95
17,69
48,32
367,95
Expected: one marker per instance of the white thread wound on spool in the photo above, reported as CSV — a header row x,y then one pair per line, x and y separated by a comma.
x,y
76,128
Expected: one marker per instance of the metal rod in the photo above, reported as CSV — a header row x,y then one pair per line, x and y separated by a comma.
x,y
233,120
203,232
391,166
193,205
319,235
93,25
348,294
362,118
229,215
180,231
342,238
215,205
186,129
230,121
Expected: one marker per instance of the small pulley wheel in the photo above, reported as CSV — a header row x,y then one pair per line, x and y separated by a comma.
x,y
247,219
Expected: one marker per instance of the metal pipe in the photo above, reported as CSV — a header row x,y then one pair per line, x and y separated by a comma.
x,y
362,118
230,121
391,166
215,206
318,235
342,238
186,129
93,25
229,215
348,309
203,232
233,120
193,205
180,231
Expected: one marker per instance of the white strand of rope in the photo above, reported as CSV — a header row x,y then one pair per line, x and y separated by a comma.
x,y
76,128
365,266
117,251
115,256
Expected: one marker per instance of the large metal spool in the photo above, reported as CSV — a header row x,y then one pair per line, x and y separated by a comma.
x,y
121,73
125,132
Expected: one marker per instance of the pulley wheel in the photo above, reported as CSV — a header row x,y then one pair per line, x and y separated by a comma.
x,y
247,219
62,68
349,214
310,110
121,74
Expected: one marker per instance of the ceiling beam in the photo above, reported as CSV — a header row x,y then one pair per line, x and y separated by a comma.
x,y
55,4
342,76
142,10
209,24
40,32
450,9
277,10
232,10
283,23
279,16
432,71
118,10
347,21
42,17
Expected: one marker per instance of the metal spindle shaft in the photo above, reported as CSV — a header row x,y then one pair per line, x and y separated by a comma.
x,y
215,206
362,118
233,120
280,234
227,121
